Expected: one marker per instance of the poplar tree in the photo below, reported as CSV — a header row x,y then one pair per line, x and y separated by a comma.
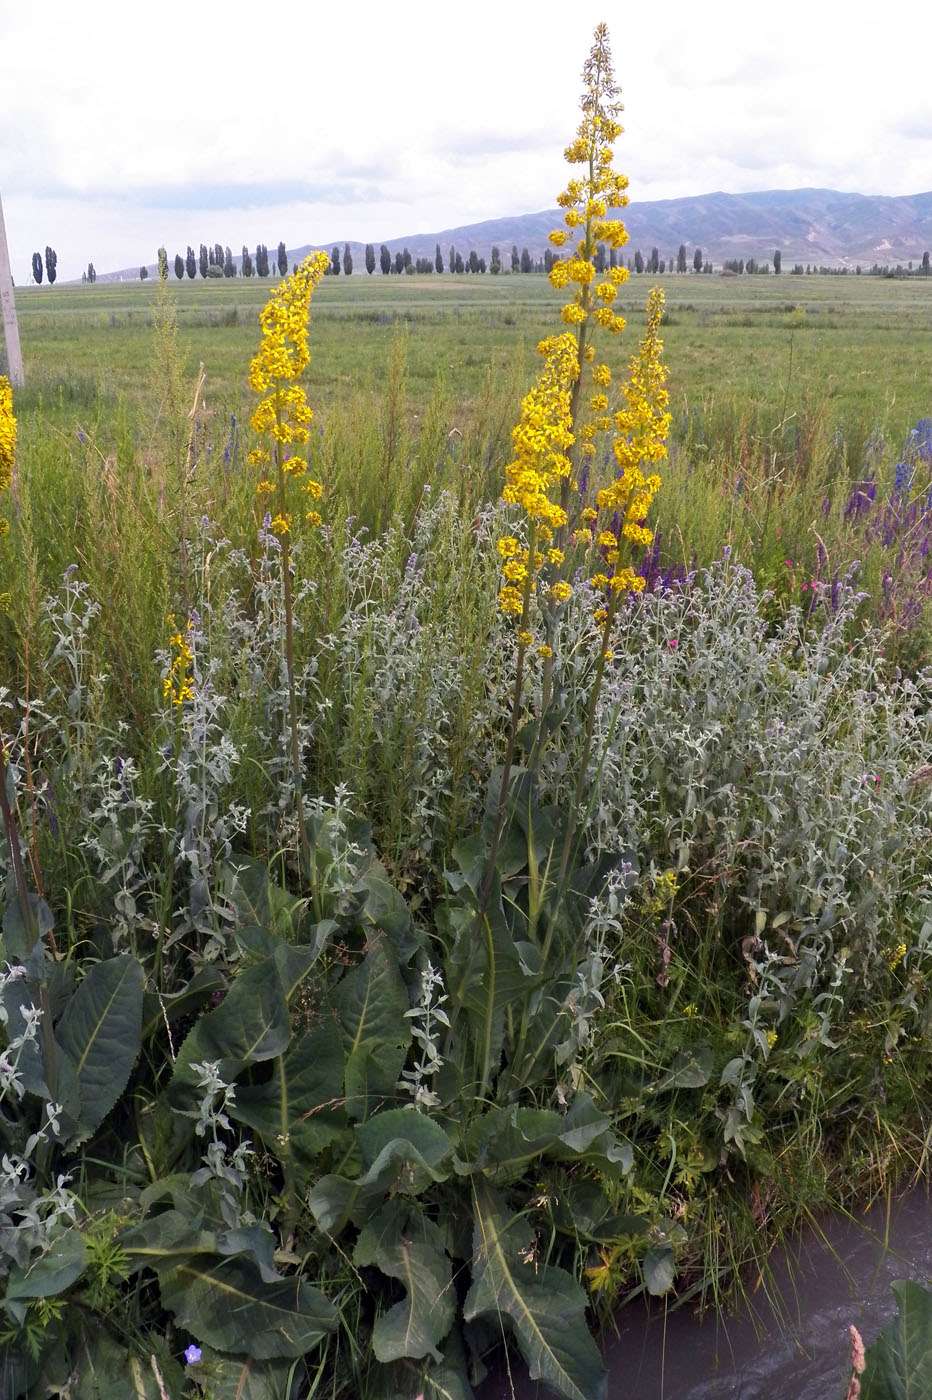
x,y
370,259
203,261
37,267
163,264
229,267
190,263
51,264
385,260
282,259
438,258
347,260
179,266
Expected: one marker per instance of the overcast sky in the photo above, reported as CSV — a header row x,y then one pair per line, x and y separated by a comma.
x,y
126,126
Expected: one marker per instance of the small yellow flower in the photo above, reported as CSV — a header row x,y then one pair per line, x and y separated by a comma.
x,y
525,639
545,652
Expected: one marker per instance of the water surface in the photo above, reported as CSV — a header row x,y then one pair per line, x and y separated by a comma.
x,y
789,1341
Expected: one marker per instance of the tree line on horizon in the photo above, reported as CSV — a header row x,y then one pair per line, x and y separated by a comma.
x,y
217,262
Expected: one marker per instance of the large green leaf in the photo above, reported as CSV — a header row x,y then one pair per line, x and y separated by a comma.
x,y
371,1003
252,1023
402,1151
226,1303
659,1269
299,1111
415,1326
101,1033
161,1009
546,1308
899,1363
53,1272
160,1239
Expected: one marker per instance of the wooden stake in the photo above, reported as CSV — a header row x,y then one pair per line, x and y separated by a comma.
x,y
10,327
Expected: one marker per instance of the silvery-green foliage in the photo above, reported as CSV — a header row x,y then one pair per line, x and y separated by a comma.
x,y
426,1016
199,760
30,1216
227,1166
249,632
768,762
118,828
411,707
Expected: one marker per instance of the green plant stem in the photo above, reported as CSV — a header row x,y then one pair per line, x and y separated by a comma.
x,y
285,538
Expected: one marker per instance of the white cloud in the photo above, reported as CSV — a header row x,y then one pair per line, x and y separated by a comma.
x,y
125,128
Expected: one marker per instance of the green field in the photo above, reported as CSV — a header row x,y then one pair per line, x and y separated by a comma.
x,y
854,349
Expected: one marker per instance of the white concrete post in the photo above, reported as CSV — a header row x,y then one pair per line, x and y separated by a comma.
x,y
10,328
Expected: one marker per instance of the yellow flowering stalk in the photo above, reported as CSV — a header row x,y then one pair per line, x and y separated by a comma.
x,y
589,203
541,442
7,455
178,684
641,428
282,416
282,413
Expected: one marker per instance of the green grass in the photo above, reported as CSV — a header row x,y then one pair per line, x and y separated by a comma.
x,y
853,348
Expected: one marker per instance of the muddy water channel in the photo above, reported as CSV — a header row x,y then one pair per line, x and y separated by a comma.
x,y
790,1340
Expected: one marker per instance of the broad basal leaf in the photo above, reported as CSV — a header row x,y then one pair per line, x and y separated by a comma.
x,y
546,1308
100,1031
899,1363
299,1111
371,1003
403,1153
53,1272
226,1303
251,1024
415,1326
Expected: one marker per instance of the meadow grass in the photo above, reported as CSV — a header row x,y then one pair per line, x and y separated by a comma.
x,y
855,348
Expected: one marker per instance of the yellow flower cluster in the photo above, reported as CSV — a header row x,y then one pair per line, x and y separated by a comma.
x,y
588,204
178,685
283,413
7,433
7,456
541,442
641,429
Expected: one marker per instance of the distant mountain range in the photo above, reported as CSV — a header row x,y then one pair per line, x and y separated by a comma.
x,y
809,226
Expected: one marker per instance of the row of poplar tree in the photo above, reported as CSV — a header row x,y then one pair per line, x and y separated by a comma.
x,y
51,265
218,262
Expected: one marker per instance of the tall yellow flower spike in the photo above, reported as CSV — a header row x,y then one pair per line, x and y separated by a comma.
x,y
641,429
589,203
283,413
7,456
541,441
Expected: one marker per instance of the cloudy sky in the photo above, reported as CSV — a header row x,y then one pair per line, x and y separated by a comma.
x,y
127,126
